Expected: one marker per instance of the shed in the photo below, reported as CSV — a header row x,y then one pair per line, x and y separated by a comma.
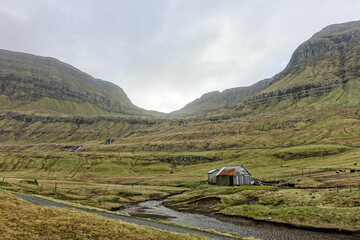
x,y
212,176
233,176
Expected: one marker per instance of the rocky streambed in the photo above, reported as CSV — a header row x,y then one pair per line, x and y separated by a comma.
x,y
154,209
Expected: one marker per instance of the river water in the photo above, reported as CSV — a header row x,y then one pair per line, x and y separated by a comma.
x,y
245,227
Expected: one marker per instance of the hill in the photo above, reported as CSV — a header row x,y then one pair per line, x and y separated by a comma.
x,y
216,100
43,84
323,72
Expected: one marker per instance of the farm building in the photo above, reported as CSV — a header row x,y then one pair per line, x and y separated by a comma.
x,y
212,176
233,176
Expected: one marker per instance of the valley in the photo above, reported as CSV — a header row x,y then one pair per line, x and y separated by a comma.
x,y
69,137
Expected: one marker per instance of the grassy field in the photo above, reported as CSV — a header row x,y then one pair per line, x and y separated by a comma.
x,y
339,126
326,195
314,150
306,166
22,220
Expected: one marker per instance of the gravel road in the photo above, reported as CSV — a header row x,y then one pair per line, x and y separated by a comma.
x,y
178,229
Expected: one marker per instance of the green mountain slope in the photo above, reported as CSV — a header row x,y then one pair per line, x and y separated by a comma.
x,y
330,56
323,72
216,100
29,82
281,114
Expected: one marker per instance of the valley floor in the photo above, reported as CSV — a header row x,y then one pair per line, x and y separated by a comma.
x,y
326,180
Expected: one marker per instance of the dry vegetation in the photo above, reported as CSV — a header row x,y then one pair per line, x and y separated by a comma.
x,y
22,220
327,193
311,149
101,195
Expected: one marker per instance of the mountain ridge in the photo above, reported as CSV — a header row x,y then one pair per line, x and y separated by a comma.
x,y
325,64
227,98
328,58
30,82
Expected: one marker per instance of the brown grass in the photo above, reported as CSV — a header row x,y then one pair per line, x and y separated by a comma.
x,y
22,220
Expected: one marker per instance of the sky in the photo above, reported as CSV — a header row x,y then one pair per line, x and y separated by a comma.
x,y
167,53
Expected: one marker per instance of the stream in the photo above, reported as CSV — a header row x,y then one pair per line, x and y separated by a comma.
x,y
155,210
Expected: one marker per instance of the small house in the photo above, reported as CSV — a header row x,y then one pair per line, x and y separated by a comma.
x,y
212,176
233,176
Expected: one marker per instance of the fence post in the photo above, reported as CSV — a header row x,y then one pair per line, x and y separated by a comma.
x,y
55,187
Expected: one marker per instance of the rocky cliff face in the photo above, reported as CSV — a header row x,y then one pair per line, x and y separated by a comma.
x,y
42,82
294,93
326,62
330,55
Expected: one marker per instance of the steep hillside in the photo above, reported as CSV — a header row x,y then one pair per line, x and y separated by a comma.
x,y
29,82
323,72
216,100
318,110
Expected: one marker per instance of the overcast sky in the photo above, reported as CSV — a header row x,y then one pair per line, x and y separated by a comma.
x,y
166,53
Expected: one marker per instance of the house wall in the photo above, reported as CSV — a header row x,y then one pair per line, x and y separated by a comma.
x,y
224,180
242,179
212,178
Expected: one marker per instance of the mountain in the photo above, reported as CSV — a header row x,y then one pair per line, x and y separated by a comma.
x,y
216,100
314,100
322,72
43,84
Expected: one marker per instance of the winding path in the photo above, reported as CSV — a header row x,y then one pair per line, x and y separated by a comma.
x,y
163,226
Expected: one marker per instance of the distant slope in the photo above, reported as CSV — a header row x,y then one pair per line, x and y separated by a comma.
x,y
216,100
323,72
29,82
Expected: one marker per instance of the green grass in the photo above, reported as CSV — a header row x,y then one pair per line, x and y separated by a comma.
x,y
149,161
317,217
111,180
337,126
308,151
182,168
